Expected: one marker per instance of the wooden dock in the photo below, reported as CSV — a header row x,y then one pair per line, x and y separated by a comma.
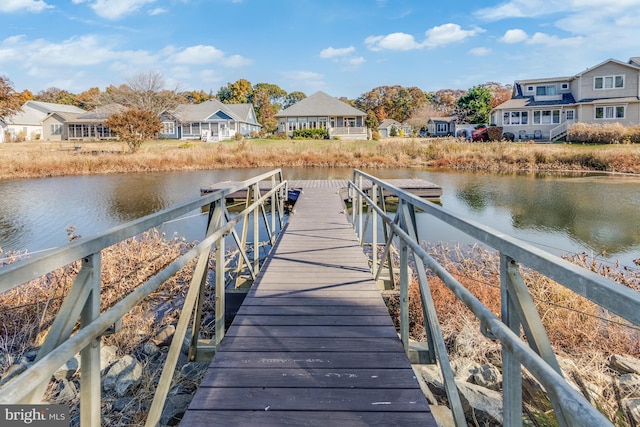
x,y
313,343
416,186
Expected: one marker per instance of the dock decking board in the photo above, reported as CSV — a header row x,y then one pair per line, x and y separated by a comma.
x,y
313,343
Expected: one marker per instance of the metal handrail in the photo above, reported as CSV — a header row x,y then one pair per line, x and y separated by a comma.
x,y
570,407
60,345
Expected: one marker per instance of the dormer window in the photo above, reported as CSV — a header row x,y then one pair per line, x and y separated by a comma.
x,y
529,88
546,90
564,86
608,82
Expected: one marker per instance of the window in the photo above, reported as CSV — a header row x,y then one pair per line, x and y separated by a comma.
x,y
565,86
168,128
350,122
610,112
529,88
571,114
546,117
56,129
515,118
608,82
292,123
442,127
546,90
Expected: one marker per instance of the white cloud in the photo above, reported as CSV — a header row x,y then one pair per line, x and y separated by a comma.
x,y
236,61
157,11
116,9
200,54
8,6
331,52
358,60
447,34
480,51
554,41
307,80
435,37
514,36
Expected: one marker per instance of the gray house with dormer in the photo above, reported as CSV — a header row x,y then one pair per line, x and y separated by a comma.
x,y
543,109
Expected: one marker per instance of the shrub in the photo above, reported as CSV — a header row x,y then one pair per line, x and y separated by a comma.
x,y
495,133
238,136
279,135
613,133
310,134
509,136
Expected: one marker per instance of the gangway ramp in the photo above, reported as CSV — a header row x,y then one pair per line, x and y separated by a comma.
x,y
313,342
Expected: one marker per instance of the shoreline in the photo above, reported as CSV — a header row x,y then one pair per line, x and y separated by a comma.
x,y
35,159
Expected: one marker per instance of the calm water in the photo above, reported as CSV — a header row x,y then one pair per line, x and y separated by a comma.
x,y
560,213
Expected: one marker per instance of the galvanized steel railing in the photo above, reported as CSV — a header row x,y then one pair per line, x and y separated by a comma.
x,y
83,300
517,307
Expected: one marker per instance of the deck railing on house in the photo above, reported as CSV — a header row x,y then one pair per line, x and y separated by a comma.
x,y
83,300
517,307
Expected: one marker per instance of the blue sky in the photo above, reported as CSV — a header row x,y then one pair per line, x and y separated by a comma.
x,y
342,47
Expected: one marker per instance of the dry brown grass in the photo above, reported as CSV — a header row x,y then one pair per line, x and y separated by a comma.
x,y
44,159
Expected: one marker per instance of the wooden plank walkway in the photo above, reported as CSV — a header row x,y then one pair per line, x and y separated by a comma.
x,y
313,343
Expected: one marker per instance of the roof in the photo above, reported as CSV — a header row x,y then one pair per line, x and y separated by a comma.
x,y
625,64
529,101
389,122
50,107
635,61
449,119
320,104
203,111
103,112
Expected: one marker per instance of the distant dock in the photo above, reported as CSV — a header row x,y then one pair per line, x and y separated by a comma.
x,y
415,186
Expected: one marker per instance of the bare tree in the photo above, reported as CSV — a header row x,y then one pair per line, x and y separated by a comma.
x,y
145,91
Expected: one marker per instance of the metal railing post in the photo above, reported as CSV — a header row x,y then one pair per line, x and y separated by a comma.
x,y
90,355
511,368
374,230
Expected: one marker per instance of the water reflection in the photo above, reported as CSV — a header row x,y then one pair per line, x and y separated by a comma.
x,y
563,212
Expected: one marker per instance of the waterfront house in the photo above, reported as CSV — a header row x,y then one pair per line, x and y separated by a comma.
x,y
544,108
442,126
84,126
27,124
387,126
322,111
209,121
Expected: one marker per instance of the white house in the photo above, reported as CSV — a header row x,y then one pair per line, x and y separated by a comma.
x,y
27,123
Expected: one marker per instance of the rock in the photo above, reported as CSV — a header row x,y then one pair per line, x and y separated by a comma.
x,y
193,371
13,371
174,409
150,349
123,376
625,364
68,370
487,376
164,336
481,405
442,415
108,355
123,404
463,368
433,377
632,408
67,391
629,386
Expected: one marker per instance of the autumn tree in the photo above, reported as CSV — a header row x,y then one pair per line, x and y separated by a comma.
x,y
196,96
134,126
395,102
267,99
475,105
445,100
56,96
10,101
238,92
88,99
499,93
145,91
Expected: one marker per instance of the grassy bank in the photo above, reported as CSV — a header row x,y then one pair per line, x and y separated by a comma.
x,y
45,159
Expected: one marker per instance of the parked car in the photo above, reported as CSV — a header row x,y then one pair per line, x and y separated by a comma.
x,y
480,134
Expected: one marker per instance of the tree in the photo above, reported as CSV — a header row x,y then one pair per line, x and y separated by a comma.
x,y
196,96
292,98
145,91
134,126
265,110
89,98
445,100
499,93
238,92
396,102
10,101
475,105
56,96
277,95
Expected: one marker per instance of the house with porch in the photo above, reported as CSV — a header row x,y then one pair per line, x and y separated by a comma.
x,y
27,124
85,126
545,108
209,121
322,111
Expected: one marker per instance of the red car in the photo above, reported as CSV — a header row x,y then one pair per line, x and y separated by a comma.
x,y
480,134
